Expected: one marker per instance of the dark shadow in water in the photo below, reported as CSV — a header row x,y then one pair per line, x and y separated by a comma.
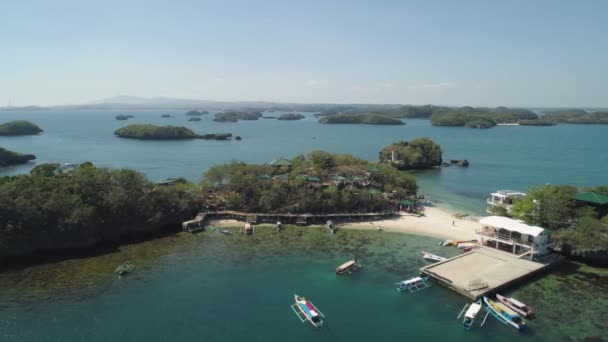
x,y
106,247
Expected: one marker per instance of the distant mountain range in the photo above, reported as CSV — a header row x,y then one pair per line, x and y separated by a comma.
x,y
125,102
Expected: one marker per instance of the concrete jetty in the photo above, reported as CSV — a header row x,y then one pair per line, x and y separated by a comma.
x,y
484,271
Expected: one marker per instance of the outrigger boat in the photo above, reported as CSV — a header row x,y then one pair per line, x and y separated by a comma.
x,y
456,243
413,285
348,267
464,245
516,305
504,314
306,311
471,312
432,257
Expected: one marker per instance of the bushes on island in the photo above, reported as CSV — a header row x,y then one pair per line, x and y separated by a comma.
x,y
233,116
314,183
51,210
197,112
290,116
422,153
369,118
123,117
12,158
19,127
146,131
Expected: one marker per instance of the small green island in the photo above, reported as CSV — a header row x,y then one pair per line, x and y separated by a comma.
x,y
366,118
194,119
8,158
290,116
418,154
196,112
235,116
166,116
153,132
123,117
577,116
19,127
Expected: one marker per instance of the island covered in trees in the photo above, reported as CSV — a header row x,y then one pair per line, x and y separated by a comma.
x,y
50,209
289,116
576,116
19,127
123,117
367,118
234,116
318,182
13,158
418,154
153,132
197,112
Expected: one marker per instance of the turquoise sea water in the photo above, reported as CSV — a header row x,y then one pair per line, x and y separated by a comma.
x,y
215,288
211,287
501,157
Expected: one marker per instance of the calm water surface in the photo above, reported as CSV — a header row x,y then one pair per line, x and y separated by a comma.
x,y
213,287
501,157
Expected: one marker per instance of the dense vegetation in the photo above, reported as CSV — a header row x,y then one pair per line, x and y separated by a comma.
x,y
197,112
539,122
123,117
318,182
236,116
290,116
19,127
11,158
422,153
51,210
141,131
577,117
369,118
575,225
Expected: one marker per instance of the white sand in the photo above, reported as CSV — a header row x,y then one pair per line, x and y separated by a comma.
x,y
436,223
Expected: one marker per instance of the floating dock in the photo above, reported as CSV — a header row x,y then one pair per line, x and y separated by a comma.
x,y
485,271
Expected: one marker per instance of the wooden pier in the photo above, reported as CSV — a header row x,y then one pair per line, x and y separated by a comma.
x,y
485,271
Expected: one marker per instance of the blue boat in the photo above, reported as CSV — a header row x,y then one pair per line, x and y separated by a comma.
x,y
413,285
504,314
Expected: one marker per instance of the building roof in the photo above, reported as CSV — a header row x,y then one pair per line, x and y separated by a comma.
x,y
407,202
264,176
337,178
591,197
508,193
511,225
280,162
309,178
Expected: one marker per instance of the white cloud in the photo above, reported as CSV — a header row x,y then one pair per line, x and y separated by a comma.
x,y
432,86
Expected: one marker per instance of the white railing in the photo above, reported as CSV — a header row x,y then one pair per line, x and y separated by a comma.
x,y
503,238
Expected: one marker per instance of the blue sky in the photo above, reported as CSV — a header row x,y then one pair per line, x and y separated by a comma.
x,y
514,53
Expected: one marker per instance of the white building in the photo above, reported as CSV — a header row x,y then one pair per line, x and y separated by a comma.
x,y
513,236
504,199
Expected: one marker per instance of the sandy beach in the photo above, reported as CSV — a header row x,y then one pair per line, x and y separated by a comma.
x,y
437,223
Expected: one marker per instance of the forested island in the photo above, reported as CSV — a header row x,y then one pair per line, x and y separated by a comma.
x,y
49,209
234,116
8,158
194,119
576,218
289,116
153,132
577,116
368,118
123,117
318,182
19,127
197,112
418,154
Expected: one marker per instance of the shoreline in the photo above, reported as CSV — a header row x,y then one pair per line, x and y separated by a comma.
x,y
437,223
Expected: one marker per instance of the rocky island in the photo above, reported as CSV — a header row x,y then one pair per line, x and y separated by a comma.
x,y
19,127
153,132
123,117
418,154
368,118
197,112
13,158
194,119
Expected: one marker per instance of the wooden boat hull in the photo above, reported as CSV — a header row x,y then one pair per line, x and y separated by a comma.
x,y
514,320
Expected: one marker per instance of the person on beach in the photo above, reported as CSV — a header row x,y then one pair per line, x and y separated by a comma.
x,y
453,223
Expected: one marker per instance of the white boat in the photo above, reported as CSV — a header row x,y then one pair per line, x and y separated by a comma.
x,y
504,314
446,243
466,245
414,284
471,312
348,267
432,257
306,311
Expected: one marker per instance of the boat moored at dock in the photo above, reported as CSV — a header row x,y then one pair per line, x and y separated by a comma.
x,y
516,305
504,314
414,284
471,312
432,257
348,267
306,311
